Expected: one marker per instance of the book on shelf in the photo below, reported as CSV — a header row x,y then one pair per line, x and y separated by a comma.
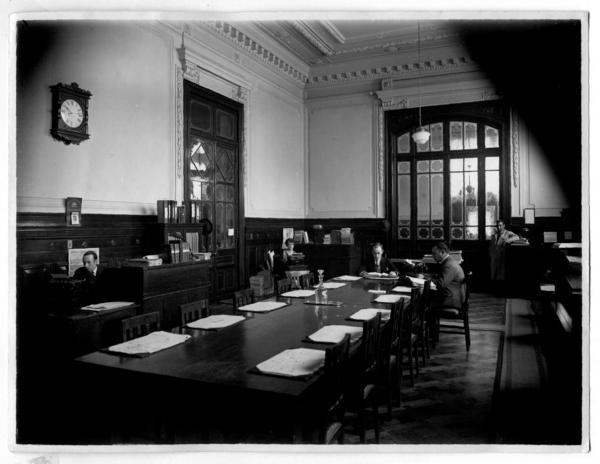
x,y
298,236
193,238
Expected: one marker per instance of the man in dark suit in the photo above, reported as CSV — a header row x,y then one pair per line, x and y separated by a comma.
x,y
90,273
378,263
450,281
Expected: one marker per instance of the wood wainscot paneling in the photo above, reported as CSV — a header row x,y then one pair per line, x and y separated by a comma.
x,y
264,234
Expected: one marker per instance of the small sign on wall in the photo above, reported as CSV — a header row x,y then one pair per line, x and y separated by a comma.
x,y
550,237
529,215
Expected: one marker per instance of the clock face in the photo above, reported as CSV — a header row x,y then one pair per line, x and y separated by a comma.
x,y
71,113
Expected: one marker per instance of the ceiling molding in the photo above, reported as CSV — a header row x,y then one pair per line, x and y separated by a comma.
x,y
257,50
334,31
313,37
393,44
441,66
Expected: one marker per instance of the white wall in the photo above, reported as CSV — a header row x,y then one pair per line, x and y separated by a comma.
x,y
124,167
342,169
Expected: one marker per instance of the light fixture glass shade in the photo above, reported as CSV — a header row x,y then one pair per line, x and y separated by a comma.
x,y
421,136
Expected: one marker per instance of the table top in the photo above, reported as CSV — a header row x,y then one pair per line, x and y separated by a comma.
x,y
227,357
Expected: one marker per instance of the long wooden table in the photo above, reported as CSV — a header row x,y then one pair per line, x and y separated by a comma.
x,y
216,368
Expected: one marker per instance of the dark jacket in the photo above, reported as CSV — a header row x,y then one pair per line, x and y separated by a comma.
x,y
450,284
385,265
92,291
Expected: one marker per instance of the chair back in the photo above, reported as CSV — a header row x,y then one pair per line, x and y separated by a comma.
x,y
409,313
138,326
370,346
336,358
467,291
193,311
423,304
391,341
282,286
242,297
307,280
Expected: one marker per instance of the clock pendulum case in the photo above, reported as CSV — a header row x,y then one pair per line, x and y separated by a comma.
x,y
70,113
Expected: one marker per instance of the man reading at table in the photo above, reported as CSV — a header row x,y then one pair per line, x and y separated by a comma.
x,y
90,274
378,263
449,281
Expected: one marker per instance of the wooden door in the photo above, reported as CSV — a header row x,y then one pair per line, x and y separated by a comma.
x,y
212,169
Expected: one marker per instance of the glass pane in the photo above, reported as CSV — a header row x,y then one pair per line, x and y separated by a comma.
x,y
470,164
471,233
224,165
456,164
471,190
423,212
457,233
201,159
196,190
207,191
230,222
423,232
492,163
404,198
492,196
456,135
437,197
403,233
470,135
489,232
456,192
437,233
424,147
200,116
230,196
492,140
403,167
437,165
423,166
472,215
437,136
220,192
404,143
226,125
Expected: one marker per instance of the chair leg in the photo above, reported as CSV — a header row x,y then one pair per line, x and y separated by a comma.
x,y
410,365
389,393
416,358
375,417
467,331
361,423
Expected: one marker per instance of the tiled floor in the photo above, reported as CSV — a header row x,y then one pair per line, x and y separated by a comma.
x,y
451,402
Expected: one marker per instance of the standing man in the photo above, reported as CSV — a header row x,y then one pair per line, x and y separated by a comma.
x,y
449,282
378,263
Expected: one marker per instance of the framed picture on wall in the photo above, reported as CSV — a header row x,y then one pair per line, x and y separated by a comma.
x,y
75,218
529,215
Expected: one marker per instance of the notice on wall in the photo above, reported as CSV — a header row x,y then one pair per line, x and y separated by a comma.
x,y
550,237
76,257
288,232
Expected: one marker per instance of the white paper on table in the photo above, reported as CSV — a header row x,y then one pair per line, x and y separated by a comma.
x,y
377,292
402,289
298,293
294,362
215,322
148,344
420,282
262,306
330,285
547,288
107,305
370,313
348,278
336,333
388,298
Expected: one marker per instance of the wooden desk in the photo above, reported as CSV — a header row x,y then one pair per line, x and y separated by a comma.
x,y
334,259
213,369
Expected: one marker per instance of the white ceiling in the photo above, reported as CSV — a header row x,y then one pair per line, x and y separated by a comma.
x,y
336,41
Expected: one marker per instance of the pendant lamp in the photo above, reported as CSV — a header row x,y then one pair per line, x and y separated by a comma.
x,y
422,135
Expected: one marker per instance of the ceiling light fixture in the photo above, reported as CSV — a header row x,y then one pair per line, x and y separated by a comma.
x,y
422,135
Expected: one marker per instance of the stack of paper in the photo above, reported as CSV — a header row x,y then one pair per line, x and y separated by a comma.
x,y
388,298
378,292
348,278
418,282
547,288
107,305
298,293
330,285
262,306
294,363
148,344
336,333
370,313
215,322
402,289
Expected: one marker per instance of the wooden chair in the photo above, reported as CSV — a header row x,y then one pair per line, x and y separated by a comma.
x,y
307,281
408,338
282,286
242,297
138,326
453,313
422,322
390,359
363,389
331,429
193,311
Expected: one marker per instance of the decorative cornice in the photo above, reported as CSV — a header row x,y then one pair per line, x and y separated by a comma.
x,y
514,127
424,68
334,31
309,34
179,123
392,44
380,148
253,48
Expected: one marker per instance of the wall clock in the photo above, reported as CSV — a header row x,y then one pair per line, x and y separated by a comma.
x,y
69,113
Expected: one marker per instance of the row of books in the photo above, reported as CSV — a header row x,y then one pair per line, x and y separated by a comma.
x,y
169,212
300,236
180,251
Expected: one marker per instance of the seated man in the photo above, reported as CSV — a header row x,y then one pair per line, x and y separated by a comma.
x,y
378,263
449,281
90,273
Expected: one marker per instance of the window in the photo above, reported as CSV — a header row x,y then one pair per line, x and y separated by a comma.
x,y
448,188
